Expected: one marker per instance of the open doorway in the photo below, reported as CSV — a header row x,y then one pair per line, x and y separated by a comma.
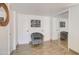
x,y
63,29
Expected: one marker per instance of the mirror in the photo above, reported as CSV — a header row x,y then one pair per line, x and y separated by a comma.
x,y
4,14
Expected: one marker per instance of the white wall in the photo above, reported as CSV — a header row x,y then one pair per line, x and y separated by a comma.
x,y
24,29
74,28
19,24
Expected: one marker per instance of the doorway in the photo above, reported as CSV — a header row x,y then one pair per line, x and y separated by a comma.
x,y
63,29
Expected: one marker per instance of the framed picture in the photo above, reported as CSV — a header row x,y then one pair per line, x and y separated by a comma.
x,y
35,23
62,24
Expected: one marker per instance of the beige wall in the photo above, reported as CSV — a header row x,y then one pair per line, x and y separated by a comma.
x,y
4,38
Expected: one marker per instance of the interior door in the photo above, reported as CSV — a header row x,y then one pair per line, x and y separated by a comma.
x,y
23,29
26,30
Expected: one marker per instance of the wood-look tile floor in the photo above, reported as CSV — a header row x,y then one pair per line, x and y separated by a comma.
x,y
64,43
48,48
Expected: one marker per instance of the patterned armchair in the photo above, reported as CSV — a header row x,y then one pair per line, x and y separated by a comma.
x,y
37,38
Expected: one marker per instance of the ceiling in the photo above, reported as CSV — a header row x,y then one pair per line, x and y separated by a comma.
x,y
44,9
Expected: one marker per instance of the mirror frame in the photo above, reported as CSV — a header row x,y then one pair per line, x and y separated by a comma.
x,y
6,20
